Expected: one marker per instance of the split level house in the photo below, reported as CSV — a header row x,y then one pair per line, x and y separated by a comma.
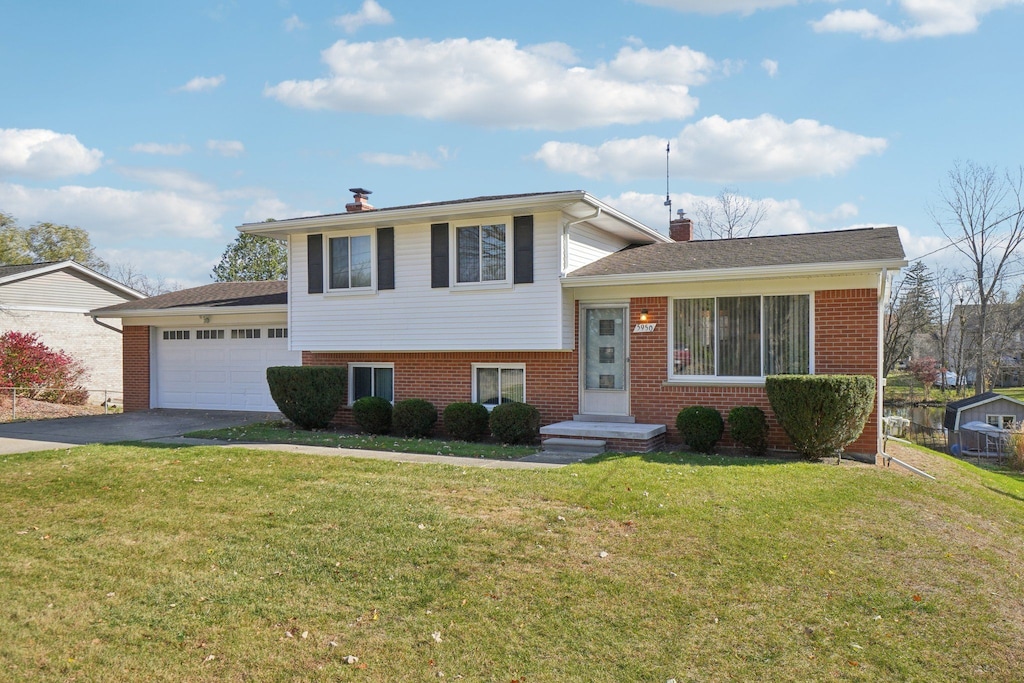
x,y
607,326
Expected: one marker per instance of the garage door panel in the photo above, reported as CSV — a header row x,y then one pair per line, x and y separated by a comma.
x,y
222,374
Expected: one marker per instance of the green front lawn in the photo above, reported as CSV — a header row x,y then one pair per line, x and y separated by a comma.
x,y
168,563
276,432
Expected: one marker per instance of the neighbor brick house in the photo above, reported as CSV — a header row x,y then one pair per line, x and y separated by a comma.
x,y
560,300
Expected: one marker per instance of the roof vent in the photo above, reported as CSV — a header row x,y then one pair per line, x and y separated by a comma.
x,y
359,201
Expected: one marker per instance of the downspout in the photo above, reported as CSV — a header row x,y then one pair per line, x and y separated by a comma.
x,y
883,286
103,324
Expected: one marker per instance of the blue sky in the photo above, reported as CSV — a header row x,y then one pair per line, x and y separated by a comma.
x,y
159,127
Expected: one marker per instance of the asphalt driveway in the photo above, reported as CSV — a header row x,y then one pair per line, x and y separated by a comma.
x,y
40,435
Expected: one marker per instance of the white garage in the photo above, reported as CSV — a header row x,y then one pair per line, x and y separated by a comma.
x,y
205,348
217,368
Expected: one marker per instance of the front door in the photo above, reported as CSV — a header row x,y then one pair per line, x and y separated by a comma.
x,y
604,345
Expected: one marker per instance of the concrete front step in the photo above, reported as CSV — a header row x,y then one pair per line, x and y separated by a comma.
x,y
573,446
617,436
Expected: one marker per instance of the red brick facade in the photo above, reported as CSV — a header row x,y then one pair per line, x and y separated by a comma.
x,y
135,345
845,336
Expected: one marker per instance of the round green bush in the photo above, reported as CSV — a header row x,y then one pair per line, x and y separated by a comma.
x,y
308,395
515,423
700,427
821,414
748,426
414,417
372,414
466,421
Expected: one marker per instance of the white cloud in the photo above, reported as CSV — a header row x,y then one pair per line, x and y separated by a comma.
x,y
168,149
169,179
719,150
293,23
719,6
924,19
41,153
181,267
494,82
771,67
371,13
115,214
415,160
268,206
201,83
782,216
227,148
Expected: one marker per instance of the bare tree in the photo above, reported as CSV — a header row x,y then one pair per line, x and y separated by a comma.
x,y
728,215
130,275
982,214
950,297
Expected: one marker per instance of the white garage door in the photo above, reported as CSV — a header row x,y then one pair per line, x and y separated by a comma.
x,y
222,369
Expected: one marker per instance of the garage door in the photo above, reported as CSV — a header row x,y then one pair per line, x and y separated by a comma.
x,y
218,369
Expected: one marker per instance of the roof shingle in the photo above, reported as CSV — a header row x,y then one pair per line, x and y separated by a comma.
x,y
216,295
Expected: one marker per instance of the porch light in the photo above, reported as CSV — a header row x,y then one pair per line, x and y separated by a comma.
x,y
643,315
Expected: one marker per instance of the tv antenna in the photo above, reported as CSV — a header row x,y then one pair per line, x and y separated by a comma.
x,y
668,197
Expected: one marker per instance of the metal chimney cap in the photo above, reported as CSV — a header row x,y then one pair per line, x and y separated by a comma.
x,y
359,190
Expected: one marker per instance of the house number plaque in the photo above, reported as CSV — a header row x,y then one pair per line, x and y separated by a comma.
x,y
644,327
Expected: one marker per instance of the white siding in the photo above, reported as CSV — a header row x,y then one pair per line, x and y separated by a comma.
x,y
415,317
59,289
587,244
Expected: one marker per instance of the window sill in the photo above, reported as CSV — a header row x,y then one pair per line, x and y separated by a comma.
x,y
338,293
715,382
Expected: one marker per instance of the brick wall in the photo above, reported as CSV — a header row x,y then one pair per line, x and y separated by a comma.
x,y
846,342
444,378
135,346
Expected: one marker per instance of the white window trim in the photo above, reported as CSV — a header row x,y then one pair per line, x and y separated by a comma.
x,y
726,379
349,291
351,384
989,416
498,366
453,249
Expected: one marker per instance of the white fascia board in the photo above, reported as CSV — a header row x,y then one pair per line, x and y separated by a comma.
x,y
77,267
192,310
757,272
434,213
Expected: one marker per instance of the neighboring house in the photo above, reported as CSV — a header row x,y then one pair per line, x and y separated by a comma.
x,y
560,300
53,300
206,347
991,408
1004,337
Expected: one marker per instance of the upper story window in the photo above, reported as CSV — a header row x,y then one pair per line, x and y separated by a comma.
x,y
482,255
741,336
350,262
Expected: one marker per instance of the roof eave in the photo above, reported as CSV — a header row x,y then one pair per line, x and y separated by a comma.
x,y
792,270
88,272
188,310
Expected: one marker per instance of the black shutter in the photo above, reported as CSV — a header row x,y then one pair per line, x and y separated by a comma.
x,y
439,255
385,258
315,263
522,244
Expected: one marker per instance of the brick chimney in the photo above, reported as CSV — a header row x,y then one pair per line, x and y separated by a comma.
x,y
681,229
359,201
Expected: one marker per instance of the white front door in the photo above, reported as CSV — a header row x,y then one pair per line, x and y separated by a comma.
x,y
604,348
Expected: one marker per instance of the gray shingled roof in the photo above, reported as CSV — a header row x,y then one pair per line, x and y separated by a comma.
x,y
12,270
865,244
486,198
217,295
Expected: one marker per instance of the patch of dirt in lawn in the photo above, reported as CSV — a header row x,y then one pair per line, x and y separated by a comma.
x,y
28,409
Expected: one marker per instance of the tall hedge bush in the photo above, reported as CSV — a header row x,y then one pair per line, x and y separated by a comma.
x,y
748,426
466,421
821,414
308,395
413,417
700,427
373,414
515,422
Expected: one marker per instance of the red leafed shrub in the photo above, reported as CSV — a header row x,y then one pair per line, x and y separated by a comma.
x,y
49,375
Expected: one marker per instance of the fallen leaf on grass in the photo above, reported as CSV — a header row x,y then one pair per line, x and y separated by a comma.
x,y
917,598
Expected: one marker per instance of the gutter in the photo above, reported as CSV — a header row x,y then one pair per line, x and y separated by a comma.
x,y
194,310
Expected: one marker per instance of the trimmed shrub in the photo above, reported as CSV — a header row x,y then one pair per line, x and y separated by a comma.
x,y
308,395
700,427
515,422
48,374
821,414
748,426
373,414
414,417
466,421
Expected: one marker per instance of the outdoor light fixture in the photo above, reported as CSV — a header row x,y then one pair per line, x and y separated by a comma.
x,y
643,315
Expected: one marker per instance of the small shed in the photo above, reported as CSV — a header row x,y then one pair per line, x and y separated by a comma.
x,y
991,408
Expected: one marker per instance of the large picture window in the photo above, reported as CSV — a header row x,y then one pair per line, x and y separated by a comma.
x,y
742,336
351,261
496,384
482,255
371,379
